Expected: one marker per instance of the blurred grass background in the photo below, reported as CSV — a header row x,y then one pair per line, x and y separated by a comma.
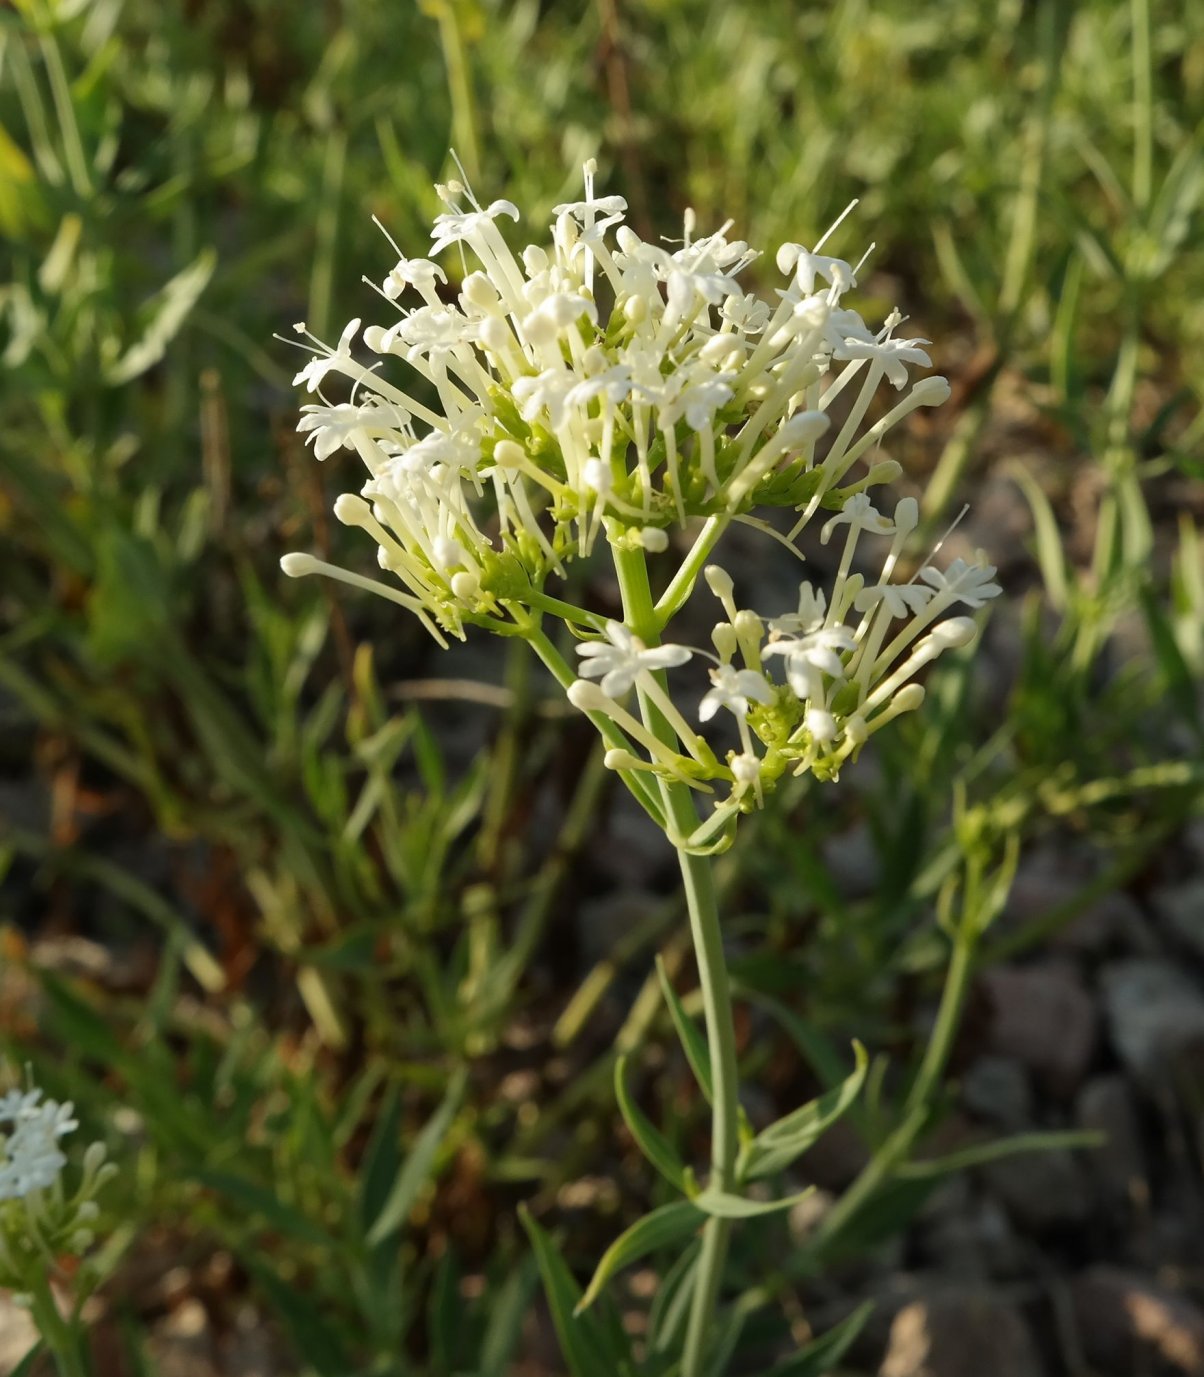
x,y
301,943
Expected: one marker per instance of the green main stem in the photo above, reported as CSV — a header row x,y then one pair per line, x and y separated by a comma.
x,y
699,885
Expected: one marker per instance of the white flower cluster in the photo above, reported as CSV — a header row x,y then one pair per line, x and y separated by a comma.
x,y
849,665
558,417
30,1156
603,384
39,1221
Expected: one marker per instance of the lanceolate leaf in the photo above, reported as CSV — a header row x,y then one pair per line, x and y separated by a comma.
x,y
582,1339
725,1206
416,1169
656,1230
692,1041
991,1152
778,1145
823,1355
652,1142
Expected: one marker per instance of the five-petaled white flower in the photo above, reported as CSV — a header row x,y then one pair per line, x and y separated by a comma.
x,y
811,654
455,225
620,660
315,371
962,582
733,689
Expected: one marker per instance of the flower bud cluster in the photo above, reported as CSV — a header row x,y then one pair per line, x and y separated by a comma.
x,y
596,383
40,1220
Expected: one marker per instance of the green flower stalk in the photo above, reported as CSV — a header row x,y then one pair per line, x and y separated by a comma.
x,y
601,390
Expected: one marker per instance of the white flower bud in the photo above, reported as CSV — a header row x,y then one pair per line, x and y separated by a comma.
x,y
885,472
508,454
478,291
351,509
588,697
930,391
719,581
949,635
465,585
616,759
908,699
654,539
296,564
725,641
907,516
495,335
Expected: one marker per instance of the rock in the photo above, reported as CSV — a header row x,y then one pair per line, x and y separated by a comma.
x,y
1155,1017
181,1344
966,1235
17,1334
960,1334
1129,1324
1042,1191
1106,1105
998,1090
1181,907
1044,1018
1046,882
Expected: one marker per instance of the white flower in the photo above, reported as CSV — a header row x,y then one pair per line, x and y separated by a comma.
x,y
456,225
821,724
811,654
891,355
807,266
732,689
329,428
16,1104
861,515
898,598
431,330
962,582
620,663
417,272
31,1157
548,391
812,607
315,371
747,313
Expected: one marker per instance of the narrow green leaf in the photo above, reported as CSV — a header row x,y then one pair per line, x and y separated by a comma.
x,y
656,1230
692,1041
581,1339
670,1305
25,1367
652,1143
991,1152
382,1161
782,1142
416,1169
1050,554
511,1305
823,1355
163,316
1180,679
725,1206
